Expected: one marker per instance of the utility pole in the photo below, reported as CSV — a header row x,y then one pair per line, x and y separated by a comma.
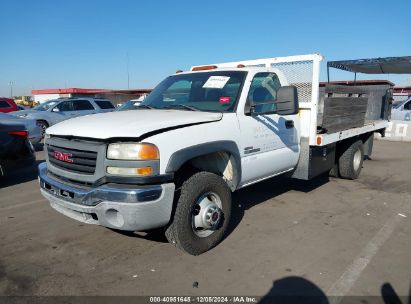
x,y
11,88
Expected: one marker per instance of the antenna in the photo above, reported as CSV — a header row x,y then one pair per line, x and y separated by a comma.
x,y
11,88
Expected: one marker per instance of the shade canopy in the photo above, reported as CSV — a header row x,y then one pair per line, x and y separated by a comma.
x,y
388,65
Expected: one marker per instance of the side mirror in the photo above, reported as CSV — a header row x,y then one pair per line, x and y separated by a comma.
x,y
287,101
55,110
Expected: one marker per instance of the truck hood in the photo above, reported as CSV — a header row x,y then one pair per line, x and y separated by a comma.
x,y
133,123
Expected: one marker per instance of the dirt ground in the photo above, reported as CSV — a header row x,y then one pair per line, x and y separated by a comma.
x,y
327,236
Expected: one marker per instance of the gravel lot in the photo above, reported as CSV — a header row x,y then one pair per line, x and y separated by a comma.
x,y
335,237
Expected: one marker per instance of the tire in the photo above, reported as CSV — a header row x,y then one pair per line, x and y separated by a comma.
x,y
43,126
350,162
198,197
334,171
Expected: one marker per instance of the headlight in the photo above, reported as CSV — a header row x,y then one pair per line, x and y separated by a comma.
x,y
130,151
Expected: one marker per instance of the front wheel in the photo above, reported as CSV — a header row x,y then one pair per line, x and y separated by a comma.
x,y
202,214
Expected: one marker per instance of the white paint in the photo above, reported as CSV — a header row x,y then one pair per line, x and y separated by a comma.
x,y
397,130
334,137
401,129
309,119
343,285
275,149
388,130
129,123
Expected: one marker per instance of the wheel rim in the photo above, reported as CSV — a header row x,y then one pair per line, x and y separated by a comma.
x,y
207,214
43,128
357,160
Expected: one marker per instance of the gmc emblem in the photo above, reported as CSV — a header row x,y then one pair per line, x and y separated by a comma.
x,y
63,156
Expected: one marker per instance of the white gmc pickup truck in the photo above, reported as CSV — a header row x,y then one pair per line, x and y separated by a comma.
x,y
199,136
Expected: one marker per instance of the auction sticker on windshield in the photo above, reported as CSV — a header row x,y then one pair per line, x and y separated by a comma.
x,y
216,82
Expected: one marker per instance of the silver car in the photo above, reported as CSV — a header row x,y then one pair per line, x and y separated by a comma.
x,y
35,134
402,110
54,111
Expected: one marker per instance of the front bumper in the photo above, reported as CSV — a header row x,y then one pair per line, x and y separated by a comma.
x,y
122,207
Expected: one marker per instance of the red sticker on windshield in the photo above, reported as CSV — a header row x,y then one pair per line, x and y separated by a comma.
x,y
225,99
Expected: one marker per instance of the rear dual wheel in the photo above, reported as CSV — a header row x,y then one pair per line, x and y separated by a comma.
x,y
350,162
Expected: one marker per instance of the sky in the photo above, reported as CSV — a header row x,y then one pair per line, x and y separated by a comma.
x,y
92,44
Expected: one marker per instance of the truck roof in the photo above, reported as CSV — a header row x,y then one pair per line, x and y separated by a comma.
x,y
246,69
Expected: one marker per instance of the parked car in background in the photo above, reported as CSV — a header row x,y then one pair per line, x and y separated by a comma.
x,y
16,151
54,111
7,105
31,126
402,110
21,108
131,104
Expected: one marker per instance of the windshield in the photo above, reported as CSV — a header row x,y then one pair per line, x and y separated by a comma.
x,y
45,106
398,103
207,91
129,105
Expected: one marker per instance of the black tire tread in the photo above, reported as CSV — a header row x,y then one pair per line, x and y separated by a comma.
x,y
345,162
175,233
43,122
334,171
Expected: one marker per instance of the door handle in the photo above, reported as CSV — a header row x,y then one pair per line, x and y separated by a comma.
x,y
289,124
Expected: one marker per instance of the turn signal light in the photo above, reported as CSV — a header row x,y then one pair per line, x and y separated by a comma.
x,y
148,152
143,171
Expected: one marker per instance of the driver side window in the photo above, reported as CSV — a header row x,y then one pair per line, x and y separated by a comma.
x,y
263,89
178,92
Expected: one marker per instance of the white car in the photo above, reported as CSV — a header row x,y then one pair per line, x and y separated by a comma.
x,y
402,110
131,104
35,134
54,111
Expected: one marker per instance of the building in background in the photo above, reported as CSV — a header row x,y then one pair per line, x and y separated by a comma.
x,y
115,96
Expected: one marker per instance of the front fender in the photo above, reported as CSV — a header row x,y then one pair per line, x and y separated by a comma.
x,y
180,157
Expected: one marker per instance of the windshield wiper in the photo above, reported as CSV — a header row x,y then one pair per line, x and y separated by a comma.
x,y
145,106
180,105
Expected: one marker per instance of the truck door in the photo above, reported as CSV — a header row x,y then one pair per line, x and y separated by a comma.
x,y
269,143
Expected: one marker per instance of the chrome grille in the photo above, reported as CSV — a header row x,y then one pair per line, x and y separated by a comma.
x,y
79,161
